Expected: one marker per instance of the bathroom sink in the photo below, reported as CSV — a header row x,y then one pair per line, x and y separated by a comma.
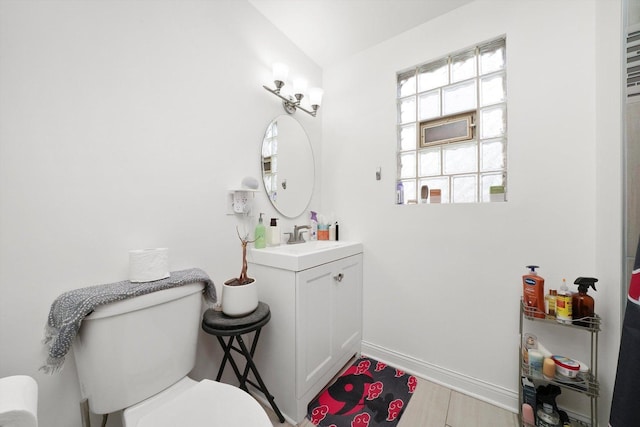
x,y
308,247
302,256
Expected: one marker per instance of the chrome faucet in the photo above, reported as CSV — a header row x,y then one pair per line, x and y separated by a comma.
x,y
296,236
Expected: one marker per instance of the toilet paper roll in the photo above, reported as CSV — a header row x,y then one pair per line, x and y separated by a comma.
x,y
147,265
18,401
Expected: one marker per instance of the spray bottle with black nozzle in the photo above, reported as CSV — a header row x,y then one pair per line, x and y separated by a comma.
x,y
583,304
547,414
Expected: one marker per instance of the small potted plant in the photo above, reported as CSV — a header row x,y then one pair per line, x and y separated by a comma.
x,y
240,294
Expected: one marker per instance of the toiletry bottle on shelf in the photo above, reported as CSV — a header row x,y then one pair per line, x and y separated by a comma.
x,y
547,412
583,304
273,233
547,417
400,193
424,193
550,300
323,231
564,304
549,368
529,398
313,231
533,292
259,236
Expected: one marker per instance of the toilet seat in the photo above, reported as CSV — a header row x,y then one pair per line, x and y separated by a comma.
x,y
190,403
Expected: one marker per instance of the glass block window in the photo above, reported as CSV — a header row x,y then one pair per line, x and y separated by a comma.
x,y
452,128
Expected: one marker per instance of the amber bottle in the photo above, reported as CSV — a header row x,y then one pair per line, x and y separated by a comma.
x,y
583,304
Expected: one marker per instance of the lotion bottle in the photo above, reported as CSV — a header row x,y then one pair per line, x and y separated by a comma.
x,y
533,292
259,235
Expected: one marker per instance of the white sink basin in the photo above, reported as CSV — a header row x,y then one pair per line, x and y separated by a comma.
x,y
302,256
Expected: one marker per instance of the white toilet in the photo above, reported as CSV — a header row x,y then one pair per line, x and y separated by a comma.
x,y
135,355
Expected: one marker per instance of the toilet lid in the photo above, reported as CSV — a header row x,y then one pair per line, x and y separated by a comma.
x,y
208,404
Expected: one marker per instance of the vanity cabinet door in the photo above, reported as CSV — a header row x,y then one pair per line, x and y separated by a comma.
x,y
347,303
329,320
313,327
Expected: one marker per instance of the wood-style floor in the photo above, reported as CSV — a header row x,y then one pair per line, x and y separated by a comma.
x,y
433,405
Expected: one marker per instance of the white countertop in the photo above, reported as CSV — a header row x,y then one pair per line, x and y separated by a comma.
x,y
302,256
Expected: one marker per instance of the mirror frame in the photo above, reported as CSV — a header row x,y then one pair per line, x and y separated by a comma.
x,y
302,152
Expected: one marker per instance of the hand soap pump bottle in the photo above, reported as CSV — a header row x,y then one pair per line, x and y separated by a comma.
x,y
583,304
533,292
260,240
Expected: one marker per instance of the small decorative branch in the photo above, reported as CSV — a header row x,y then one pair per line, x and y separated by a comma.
x,y
243,279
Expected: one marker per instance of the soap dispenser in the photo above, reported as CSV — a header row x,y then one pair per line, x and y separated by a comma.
x,y
259,236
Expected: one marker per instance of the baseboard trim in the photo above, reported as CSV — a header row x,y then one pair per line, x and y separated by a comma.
x,y
481,390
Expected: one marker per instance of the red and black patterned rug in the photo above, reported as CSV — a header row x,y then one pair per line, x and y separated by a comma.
x,y
368,394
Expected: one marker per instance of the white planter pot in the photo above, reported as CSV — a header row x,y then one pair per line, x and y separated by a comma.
x,y
239,301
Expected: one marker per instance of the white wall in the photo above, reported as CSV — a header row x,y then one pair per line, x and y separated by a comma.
x,y
122,125
442,282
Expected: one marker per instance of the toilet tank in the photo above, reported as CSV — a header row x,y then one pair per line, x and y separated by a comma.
x,y
130,350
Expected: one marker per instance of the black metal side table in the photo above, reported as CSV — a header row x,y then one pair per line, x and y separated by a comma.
x,y
218,324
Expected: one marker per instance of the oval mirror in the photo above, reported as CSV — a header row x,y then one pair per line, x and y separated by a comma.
x,y
288,169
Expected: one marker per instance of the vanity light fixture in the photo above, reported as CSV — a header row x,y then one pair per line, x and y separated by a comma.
x,y
291,104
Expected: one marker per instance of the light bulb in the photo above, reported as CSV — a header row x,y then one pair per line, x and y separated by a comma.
x,y
280,72
315,95
299,86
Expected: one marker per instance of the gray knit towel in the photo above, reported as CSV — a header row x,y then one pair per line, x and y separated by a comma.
x,y
70,308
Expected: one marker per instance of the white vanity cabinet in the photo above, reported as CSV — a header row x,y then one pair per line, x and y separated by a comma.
x,y
315,326
329,319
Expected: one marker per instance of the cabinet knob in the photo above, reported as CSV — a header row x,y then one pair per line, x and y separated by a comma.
x,y
338,278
